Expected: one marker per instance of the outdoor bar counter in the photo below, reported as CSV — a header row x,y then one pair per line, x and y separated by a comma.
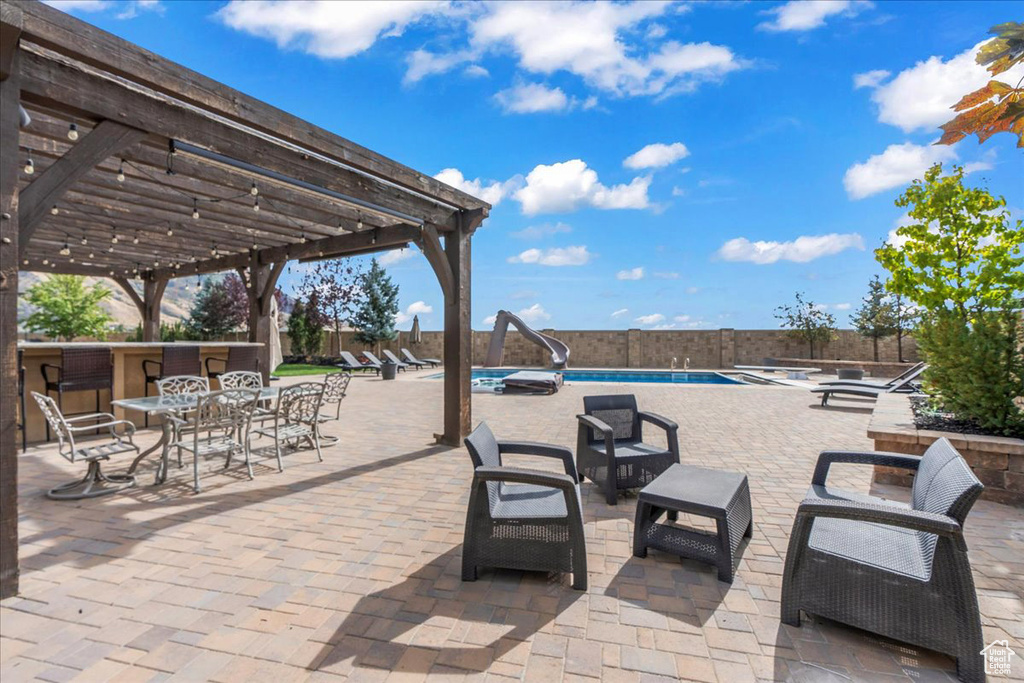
x,y
128,378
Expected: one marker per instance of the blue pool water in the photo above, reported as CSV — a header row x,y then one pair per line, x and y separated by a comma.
x,y
646,377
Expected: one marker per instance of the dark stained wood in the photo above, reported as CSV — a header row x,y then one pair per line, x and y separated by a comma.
x,y
260,286
430,244
11,23
9,159
69,36
458,335
109,137
153,294
132,293
51,83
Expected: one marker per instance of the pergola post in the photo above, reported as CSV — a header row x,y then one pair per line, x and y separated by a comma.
x,y
10,30
262,282
458,332
152,296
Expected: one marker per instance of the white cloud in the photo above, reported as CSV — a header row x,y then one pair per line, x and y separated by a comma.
x,y
895,167
556,256
569,185
620,313
921,97
681,318
652,319
327,29
656,155
540,231
415,308
804,15
423,63
667,276
534,314
631,274
842,307
532,98
665,326
870,79
128,8
476,71
678,191
490,320
390,258
491,192
692,290
801,250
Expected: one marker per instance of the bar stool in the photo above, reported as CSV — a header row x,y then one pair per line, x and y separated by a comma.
x,y
81,369
174,360
240,359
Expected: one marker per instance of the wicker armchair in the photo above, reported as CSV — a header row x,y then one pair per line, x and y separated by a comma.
x,y
521,518
896,570
240,359
95,483
174,360
609,445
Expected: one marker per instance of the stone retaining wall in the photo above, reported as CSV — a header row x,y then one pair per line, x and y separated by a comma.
x,y
997,461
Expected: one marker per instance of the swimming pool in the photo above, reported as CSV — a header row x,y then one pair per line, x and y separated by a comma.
x,y
638,376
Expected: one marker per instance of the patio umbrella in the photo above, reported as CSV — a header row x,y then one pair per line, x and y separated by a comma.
x,y
275,337
415,335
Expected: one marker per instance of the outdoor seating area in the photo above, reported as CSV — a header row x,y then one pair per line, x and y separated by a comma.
x,y
353,567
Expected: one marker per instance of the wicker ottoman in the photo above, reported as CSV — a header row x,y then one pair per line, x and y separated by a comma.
x,y
722,496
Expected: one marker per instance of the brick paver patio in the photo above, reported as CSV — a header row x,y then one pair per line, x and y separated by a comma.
x,y
350,568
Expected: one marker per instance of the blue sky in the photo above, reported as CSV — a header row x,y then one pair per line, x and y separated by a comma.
x,y
684,165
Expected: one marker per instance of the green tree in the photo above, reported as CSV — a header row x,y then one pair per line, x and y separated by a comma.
x,y
905,317
211,314
305,330
806,321
374,319
332,293
876,318
65,308
962,263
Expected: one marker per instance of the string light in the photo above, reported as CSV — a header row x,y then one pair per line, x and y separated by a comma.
x,y
359,224
256,204
85,240
65,250
213,251
254,190
92,254
113,237
302,238
195,208
170,232
24,262
54,210
135,240
156,263
73,131
120,172
30,166
45,261
255,246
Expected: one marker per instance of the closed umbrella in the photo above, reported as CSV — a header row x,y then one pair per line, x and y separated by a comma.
x,y
275,337
415,335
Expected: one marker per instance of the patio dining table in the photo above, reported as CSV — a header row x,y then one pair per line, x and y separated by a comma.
x,y
160,406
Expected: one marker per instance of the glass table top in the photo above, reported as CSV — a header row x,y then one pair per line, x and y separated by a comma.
x,y
163,404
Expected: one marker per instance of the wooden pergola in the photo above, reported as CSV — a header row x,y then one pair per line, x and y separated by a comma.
x,y
118,163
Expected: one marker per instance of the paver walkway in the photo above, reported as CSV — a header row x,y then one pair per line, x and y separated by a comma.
x,y
350,568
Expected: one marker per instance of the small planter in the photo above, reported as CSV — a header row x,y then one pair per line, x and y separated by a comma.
x,y
851,373
388,370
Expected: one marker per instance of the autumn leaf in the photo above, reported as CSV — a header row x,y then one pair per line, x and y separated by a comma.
x,y
1005,50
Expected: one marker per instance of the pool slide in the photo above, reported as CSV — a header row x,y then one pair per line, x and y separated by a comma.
x,y
559,351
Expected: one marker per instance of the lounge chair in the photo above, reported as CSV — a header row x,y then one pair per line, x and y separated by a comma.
x,y
853,390
909,374
610,449
402,365
895,570
525,519
413,360
350,362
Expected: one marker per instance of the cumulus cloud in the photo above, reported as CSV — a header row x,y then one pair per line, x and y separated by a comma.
x,y
570,185
895,167
631,274
920,98
491,192
652,319
801,250
327,29
534,314
415,308
390,258
533,98
541,231
870,79
556,256
656,155
804,15
620,313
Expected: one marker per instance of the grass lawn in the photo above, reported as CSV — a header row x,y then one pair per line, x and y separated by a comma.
x,y
299,369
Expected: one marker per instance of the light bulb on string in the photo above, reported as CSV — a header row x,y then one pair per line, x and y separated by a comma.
x,y
92,254
195,208
30,166
85,240
120,172
256,204
170,231
302,238
254,190
24,262
73,131
54,210
113,237
135,240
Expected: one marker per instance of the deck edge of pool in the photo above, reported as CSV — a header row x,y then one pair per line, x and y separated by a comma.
x,y
616,376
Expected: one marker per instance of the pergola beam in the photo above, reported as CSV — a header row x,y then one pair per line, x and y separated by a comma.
x,y
108,138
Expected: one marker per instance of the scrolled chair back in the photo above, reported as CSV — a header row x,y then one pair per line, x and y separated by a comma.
x,y
225,409
241,379
300,403
182,384
50,410
335,386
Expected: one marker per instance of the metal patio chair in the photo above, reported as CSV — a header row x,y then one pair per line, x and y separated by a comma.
x,y
296,418
335,390
174,361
